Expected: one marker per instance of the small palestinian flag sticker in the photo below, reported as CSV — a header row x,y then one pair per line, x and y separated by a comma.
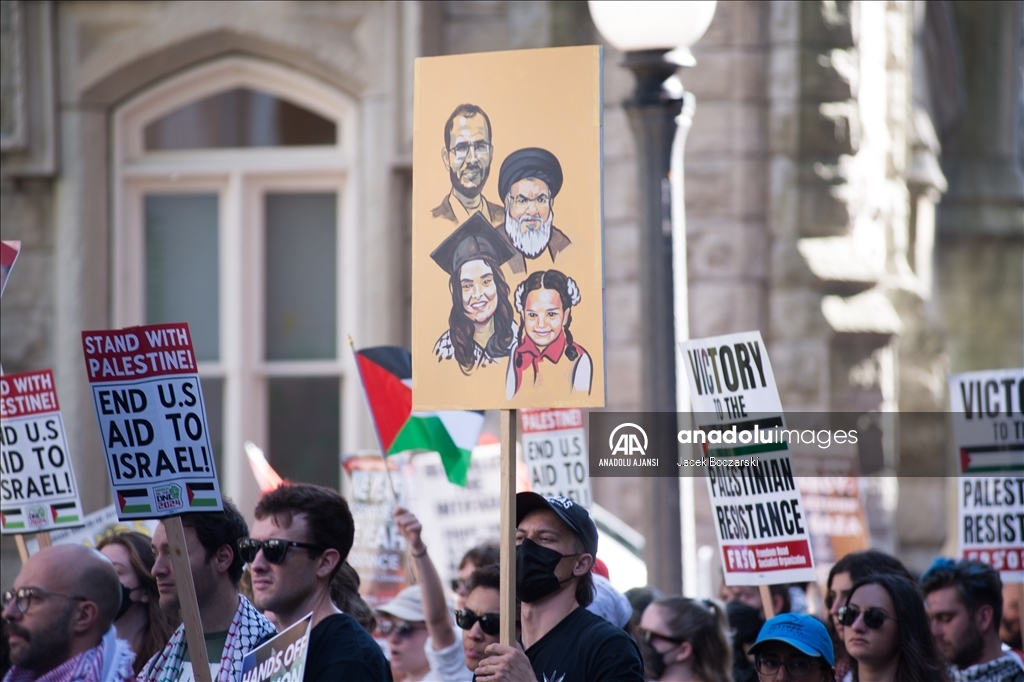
x,y
134,501
12,519
66,512
201,495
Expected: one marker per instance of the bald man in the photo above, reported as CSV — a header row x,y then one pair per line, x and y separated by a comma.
x,y
60,614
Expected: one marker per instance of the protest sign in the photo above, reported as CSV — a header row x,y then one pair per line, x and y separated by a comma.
x,y
454,518
95,527
37,483
988,430
378,548
760,519
555,450
502,195
281,658
152,419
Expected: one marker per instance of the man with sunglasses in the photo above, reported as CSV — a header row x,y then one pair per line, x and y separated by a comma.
x,y
964,601
59,617
480,615
556,542
793,646
302,535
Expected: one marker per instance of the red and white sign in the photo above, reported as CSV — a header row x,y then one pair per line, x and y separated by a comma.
x,y
555,451
152,419
760,520
37,483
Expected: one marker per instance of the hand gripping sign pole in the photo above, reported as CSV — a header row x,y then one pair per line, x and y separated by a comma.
x,y
152,419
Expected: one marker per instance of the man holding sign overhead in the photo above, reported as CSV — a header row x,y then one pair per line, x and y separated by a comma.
x,y
231,625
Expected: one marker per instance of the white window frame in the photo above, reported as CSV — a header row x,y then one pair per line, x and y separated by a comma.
x,y
240,178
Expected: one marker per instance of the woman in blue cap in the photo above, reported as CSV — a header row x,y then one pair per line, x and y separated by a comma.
x,y
794,646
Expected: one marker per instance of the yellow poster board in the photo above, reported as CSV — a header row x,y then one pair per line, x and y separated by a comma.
x,y
508,305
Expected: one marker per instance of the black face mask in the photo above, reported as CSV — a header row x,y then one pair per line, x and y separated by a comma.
x,y
126,602
535,571
654,662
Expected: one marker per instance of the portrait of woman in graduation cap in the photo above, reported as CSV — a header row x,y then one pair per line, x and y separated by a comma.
x,y
481,324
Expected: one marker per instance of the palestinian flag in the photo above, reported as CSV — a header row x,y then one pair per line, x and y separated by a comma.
x,y
12,519
135,501
976,459
386,372
202,495
66,512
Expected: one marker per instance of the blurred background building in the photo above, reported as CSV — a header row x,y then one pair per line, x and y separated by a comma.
x,y
853,182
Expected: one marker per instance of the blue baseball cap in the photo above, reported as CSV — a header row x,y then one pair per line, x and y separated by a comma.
x,y
805,633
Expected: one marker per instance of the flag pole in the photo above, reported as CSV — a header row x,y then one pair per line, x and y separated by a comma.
x,y
376,430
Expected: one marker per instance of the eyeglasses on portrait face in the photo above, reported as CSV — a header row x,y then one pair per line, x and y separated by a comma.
x,y
874,617
274,550
480,148
490,623
24,597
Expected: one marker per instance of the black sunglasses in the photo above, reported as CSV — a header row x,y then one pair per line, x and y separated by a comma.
x,y
647,635
401,628
874,618
459,584
274,550
490,623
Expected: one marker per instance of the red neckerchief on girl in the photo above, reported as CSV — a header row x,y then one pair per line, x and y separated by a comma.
x,y
529,353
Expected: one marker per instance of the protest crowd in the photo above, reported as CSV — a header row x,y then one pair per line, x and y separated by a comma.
x,y
112,614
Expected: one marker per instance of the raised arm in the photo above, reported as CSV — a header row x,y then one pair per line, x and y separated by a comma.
x,y
435,610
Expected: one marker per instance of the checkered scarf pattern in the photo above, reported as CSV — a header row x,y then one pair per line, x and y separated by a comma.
x,y
248,629
112,656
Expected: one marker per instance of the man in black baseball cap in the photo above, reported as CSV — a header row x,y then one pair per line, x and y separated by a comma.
x,y
556,542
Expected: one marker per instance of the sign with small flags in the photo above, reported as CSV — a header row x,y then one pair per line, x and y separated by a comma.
x,y
38,492
152,418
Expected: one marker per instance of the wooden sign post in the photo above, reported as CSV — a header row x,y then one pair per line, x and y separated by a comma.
x,y
187,599
507,540
766,602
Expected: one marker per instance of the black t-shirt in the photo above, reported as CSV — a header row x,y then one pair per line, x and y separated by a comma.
x,y
340,649
585,647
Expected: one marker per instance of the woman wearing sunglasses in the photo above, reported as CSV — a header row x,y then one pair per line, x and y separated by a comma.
x,y
686,641
886,632
479,619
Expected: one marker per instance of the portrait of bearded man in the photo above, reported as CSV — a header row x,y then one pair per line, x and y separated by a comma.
x,y
467,155
529,181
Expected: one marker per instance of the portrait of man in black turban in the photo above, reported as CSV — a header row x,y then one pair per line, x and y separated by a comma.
x,y
528,182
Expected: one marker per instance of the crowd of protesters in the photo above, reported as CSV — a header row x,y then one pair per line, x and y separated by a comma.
x,y
114,614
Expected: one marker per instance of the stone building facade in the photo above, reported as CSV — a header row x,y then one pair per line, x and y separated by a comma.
x,y
853,185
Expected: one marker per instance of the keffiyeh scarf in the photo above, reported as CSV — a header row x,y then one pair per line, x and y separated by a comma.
x,y
1006,668
248,629
110,661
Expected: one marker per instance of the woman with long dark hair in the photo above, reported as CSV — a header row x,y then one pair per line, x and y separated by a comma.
x,y
140,621
686,639
545,301
480,324
887,634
